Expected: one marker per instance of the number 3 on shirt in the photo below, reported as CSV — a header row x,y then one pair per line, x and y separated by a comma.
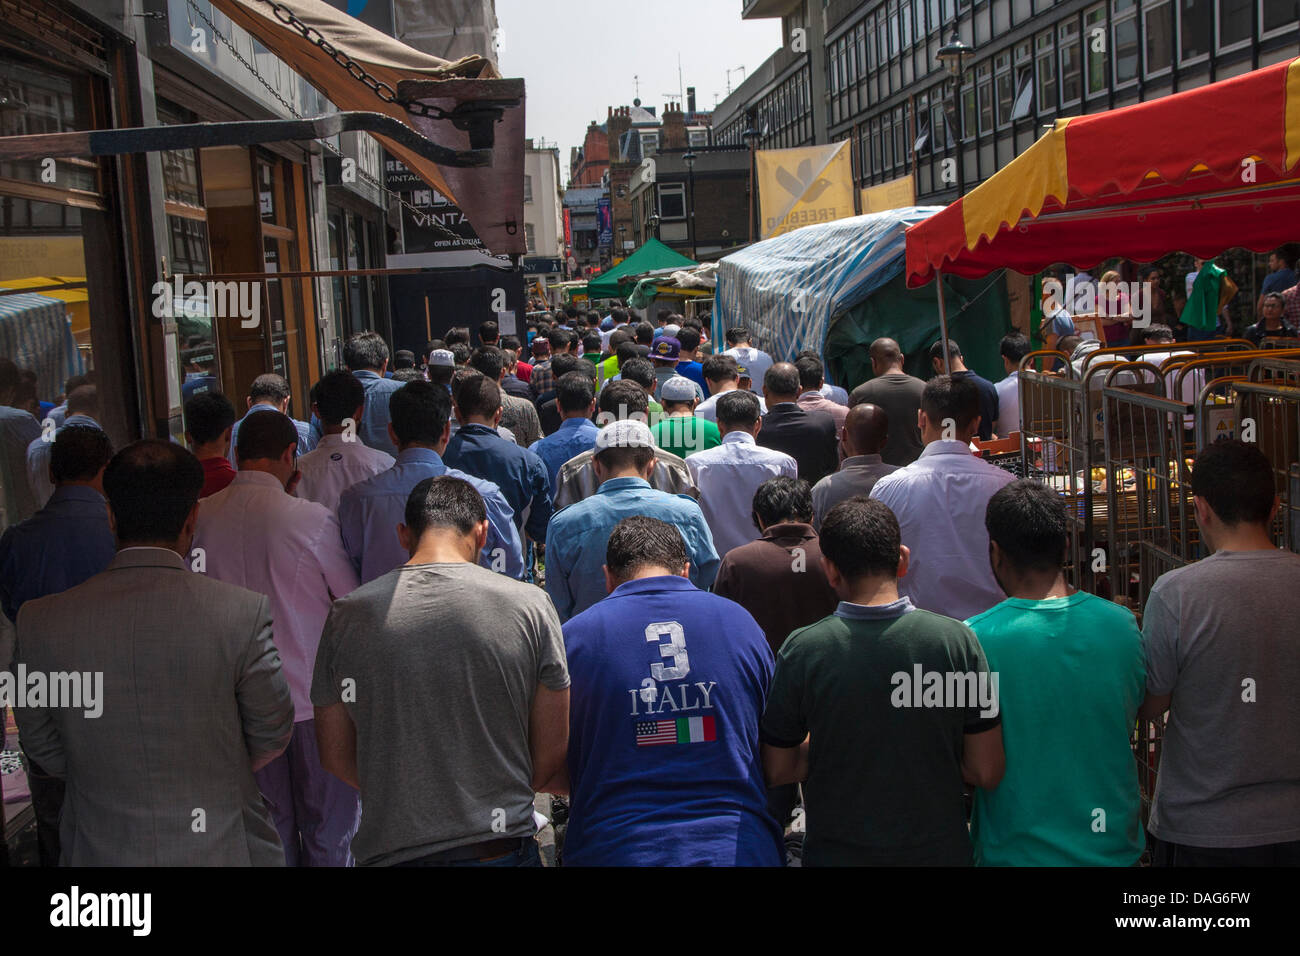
x,y
676,649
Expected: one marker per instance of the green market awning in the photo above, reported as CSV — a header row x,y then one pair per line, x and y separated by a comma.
x,y
617,282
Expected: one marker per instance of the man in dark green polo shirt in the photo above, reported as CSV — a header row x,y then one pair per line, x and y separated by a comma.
x,y
679,431
882,710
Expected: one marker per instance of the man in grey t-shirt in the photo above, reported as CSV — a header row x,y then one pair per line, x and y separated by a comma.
x,y
1220,642
442,694
899,394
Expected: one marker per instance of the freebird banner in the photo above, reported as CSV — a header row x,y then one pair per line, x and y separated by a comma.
x,y
799,187
894,194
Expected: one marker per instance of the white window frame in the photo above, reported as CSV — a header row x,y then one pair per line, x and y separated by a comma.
x,y
530,238
1067,33
1218,23
1276,31
677,189
528,188
1149,7
1045,53
1178,34
1118,19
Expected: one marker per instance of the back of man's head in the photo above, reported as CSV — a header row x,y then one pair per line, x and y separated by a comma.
x,y
623,399
721,368
460,353
151,487
84,400
618,337
268,389
781,382
559,339
564,363
626,351
479,397
644,333
80,452
1235,480
737,335
458,336
265,436
866,428
783,500
444,503
208,415
811,372
9,377
885,354
1030,524
952,399
365,351
639,543
639,370
338,396
591,342
489,332
738,409
489,360
1158,334
862,539
404,358
690,338
574,392
1014,347
1069,343
618,314
419,412
954,351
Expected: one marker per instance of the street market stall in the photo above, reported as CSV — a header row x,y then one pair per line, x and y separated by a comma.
x,y
619,282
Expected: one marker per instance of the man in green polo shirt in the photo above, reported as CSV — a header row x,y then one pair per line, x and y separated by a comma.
x,y
1072,676
882,710
679,431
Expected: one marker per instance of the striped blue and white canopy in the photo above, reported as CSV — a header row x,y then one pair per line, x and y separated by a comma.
x,y
35,333
787,290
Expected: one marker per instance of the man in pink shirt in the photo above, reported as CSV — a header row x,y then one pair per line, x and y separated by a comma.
x,y
812,375
257,535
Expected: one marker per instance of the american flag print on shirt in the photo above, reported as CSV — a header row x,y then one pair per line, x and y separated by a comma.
x,y
683,730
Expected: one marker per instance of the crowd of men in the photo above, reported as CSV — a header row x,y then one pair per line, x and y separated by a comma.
x,y
726,612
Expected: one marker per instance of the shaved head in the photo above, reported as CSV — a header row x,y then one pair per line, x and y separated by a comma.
x,y
886,356
865,430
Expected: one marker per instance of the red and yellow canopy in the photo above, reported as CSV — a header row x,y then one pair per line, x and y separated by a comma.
x,y
1196,172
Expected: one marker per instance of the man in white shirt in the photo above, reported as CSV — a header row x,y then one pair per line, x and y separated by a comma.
x,y
728,475
342,458
257,535
1014,347
743,351
940,500
722,373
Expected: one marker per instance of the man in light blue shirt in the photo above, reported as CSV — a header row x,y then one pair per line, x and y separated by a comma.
x,y
83,409
270,392
575,395
366,354
371,510
577,536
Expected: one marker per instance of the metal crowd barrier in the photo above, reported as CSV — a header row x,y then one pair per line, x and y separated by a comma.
x,y
1274,413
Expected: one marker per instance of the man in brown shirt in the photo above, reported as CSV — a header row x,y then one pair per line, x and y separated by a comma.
x,y
779,578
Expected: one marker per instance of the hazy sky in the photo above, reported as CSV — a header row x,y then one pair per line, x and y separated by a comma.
x,y
579,57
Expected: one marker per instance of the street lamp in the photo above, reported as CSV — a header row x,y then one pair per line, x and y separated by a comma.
x,y
653,223
689,159
751,137
953,56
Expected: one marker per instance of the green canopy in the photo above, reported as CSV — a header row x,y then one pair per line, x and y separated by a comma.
x,y
615,283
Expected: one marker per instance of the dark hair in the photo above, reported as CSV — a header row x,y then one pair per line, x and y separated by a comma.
x,y
403,359
737,334
441,374
264,435
811,371
639,370
664,315
434,345
510,343
1158,330
9,377
478,396
626,351
644,333
458,336
444,502
624,399
689,338
408,375
365,350
618,314
1014,347
591,342
564,363
861,537
738,408
782,379
84,400
574,392
947,397
460,353
208,415
79,452
619,457
419,412
338,395
618,337
954,350
488,333
1030,523
152,486
643,542
489,360
721,368
783,499
1236,481
1274,295
559,339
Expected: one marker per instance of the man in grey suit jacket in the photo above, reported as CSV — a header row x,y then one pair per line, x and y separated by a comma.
x,y
192,699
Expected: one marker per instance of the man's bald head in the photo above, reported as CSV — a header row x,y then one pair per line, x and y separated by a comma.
x,y
865,430
781,383
886,356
